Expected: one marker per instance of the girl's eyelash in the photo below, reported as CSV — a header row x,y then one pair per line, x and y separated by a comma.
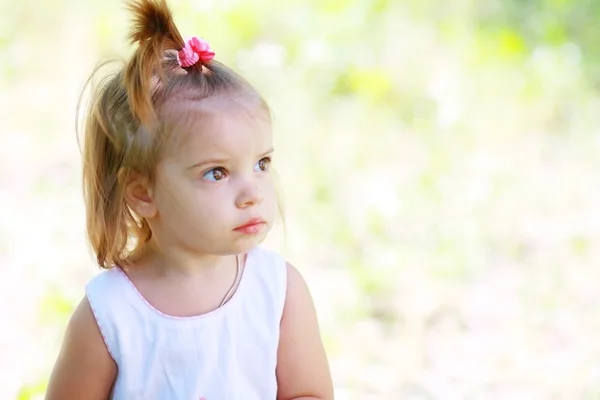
x,y
214,168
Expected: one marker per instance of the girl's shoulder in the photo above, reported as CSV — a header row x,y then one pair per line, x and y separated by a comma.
x,y
264,258
107,282
266,272
268,266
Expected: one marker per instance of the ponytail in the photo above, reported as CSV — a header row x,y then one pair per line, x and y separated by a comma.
x,y
154,32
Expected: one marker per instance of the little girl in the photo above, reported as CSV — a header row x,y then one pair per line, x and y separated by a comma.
x,y
179,194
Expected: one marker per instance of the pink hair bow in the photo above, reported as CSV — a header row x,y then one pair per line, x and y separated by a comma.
x,y
193,51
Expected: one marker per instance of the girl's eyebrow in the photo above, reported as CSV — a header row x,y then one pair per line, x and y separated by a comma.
x,y
271,150
210,161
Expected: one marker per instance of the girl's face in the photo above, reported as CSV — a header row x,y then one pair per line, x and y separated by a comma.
x,y
214,192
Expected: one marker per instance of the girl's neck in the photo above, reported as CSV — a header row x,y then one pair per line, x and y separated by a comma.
x,y
178,262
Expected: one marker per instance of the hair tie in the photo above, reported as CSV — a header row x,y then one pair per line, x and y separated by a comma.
x,y
194,50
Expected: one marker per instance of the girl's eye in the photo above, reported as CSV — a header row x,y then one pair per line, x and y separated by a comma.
x,y
215,174
263,164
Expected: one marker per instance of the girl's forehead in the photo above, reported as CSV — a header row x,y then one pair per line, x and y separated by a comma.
x,y
186,107
225,127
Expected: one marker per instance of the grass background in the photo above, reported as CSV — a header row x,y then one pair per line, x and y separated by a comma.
x,y
440,164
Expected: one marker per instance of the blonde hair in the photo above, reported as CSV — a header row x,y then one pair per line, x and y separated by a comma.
x,y
126,125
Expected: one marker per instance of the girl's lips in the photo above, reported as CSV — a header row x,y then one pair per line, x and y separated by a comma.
x,y
251,226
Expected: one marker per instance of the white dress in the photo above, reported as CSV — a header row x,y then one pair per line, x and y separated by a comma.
x,y
229,353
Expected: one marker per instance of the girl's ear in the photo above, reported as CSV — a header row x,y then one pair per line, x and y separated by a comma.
x,y
138,195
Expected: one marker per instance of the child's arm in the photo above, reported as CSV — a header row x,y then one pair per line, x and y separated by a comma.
x,y
84,369
302,367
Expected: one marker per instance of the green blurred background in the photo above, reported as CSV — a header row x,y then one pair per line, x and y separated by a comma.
x,y
439,161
